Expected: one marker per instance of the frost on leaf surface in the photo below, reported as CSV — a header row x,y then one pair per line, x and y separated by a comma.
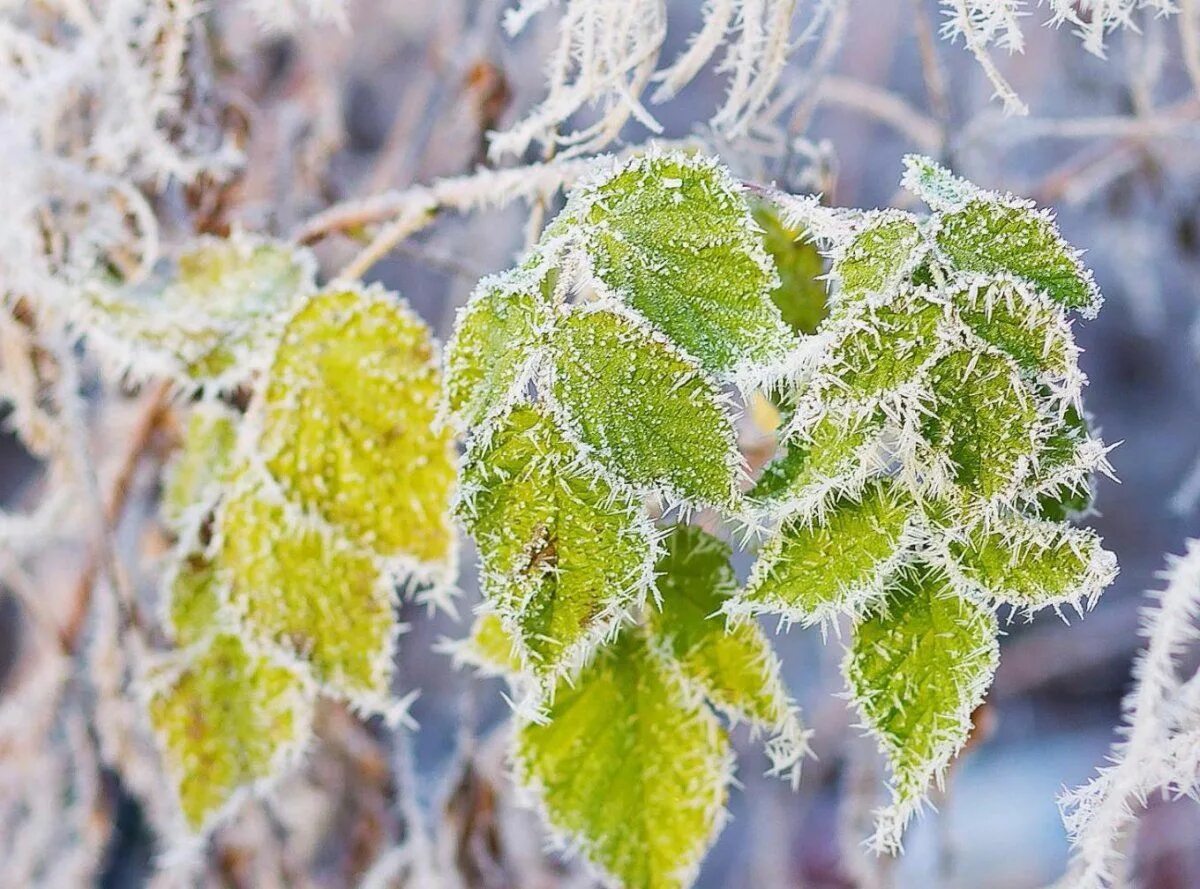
x,y
733,666
828,456
228,720
647,412
565,554
196,475
494,344
630,767
193,599
673,237
919,664
878,257
880,348
1030,563
349,427
489,648
815,568
306,590
1029,330
983,420
207,323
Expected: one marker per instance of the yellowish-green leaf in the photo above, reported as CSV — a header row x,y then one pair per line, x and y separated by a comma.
x,y
193,599
566,555
490,647
1032,332
301,587
494,344
646,412
630,767
200,470
1030,563
733,666
209,320
228,721
349,424
815,568
919,664
983,421
879,258
672,236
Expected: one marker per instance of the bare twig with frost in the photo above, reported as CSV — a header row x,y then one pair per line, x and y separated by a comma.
x,y
1161,749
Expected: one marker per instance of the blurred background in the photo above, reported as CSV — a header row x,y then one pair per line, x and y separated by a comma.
x,y
404,94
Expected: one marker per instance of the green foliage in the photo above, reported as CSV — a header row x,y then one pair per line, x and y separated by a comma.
x,y
295,525
919,663
801,297
630,766
227,721
565,555
672,237
205,324
933,453
643,408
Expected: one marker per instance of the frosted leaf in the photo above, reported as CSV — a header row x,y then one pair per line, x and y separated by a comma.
x,y
1066,462
349,429
733,666
493,348
565,555
490,648
629,767
993,237
877,349
836,452
919,664
983,420
802,295
673,237
193,598
1030,563
937,186
301,588
229,720
646,411
878,258
196,475
811,571
1030,331
211,320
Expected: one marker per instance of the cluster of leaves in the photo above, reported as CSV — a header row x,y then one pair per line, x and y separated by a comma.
x,y
934,444
294,522
591,380
931,454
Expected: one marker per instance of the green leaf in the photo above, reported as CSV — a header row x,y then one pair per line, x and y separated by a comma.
x,y
835,453
814,569
349,424
919,664
645,411
490,648
991,237
301,587
193,598
1031,332
802,296
495,342
632,768
879,257
227,722
1066,462
983,421
1029,563
566,555
209,322
937,186
198,473
734,667
879,348
672,236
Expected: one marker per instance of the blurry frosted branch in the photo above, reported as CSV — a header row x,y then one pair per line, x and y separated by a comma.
x,y
608,53
1161,747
